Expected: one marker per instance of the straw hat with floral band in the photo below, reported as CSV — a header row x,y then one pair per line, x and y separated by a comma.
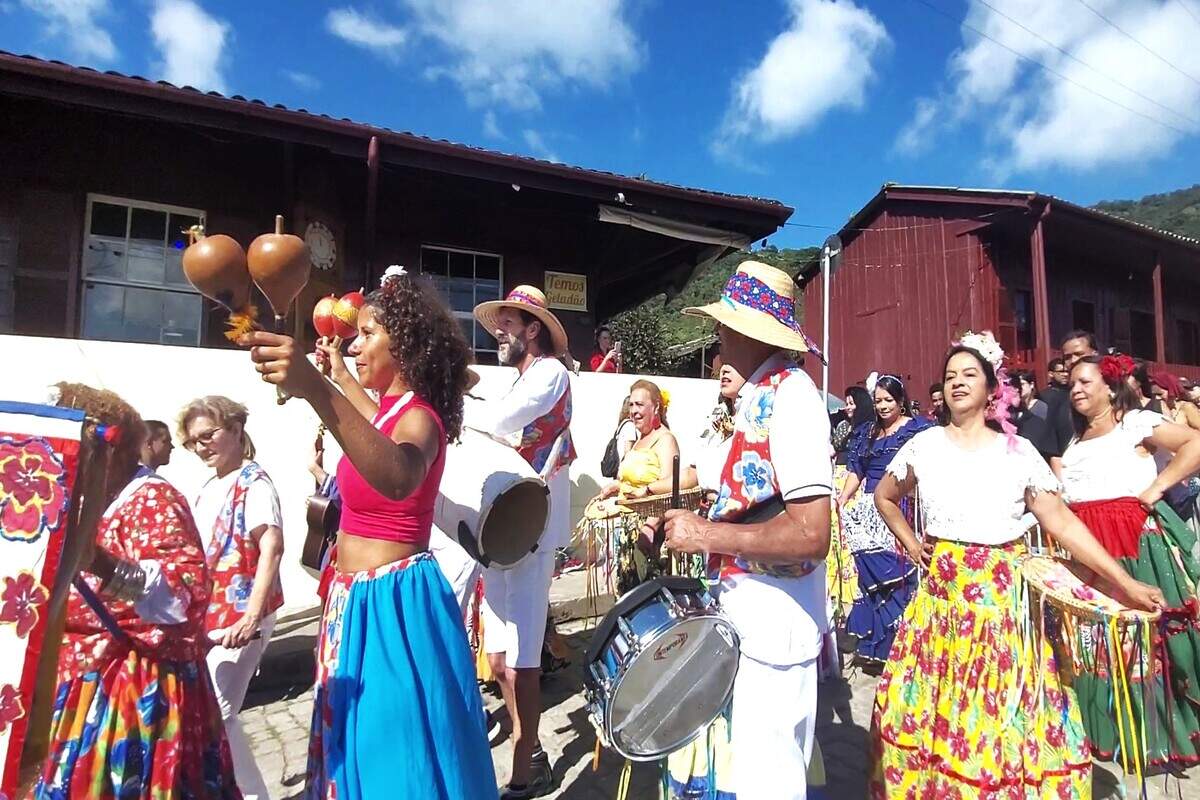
x,y
531,300
759,301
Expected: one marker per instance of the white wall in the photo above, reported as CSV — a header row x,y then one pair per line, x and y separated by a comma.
x,y
159,380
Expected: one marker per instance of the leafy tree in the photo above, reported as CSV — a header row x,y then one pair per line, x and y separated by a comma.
x,y
1177,211
644,338
657,323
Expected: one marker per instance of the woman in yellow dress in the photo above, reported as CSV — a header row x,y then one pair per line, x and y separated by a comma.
x,y
645,469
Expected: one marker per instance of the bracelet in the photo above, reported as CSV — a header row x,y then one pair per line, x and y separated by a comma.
x,y
127,582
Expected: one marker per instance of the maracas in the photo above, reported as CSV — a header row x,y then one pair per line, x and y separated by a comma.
x,y
345,314
216,266
279,263
323,321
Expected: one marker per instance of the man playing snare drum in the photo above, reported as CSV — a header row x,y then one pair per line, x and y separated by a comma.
x,y
772,576
537,414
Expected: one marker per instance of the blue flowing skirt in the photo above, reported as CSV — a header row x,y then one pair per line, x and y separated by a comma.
x,y
397,712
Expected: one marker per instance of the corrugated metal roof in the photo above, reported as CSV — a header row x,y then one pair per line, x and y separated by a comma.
x,y
168,92
1098,214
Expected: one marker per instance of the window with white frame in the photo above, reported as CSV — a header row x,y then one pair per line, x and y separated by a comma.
x,y
134,289
466,278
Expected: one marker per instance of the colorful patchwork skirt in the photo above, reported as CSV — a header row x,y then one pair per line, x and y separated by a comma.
x,y
887,580
138,728
1162,679
968,706
397,713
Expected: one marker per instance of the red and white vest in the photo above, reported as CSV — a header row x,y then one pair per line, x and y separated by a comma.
x,y
233,558
748,477
538,438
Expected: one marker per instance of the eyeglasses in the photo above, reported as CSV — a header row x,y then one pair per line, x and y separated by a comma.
x,y
200,439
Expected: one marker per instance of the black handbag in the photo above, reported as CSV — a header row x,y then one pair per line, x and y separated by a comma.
x,y
611,463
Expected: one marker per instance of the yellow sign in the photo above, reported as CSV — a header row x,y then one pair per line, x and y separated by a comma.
x,y
566,290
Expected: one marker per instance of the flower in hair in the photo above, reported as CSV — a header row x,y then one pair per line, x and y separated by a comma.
x,y
1116,368
394,271
666,399
986,345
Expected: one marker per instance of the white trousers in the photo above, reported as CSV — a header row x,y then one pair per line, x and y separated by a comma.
x,y
460,569
231,671
774,715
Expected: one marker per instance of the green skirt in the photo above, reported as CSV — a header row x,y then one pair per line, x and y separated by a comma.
x,y
1161,682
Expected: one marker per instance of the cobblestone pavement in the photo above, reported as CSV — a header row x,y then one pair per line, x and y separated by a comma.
x,y
276,719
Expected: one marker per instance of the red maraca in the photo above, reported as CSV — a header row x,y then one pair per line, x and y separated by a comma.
x,y
323,319
345,314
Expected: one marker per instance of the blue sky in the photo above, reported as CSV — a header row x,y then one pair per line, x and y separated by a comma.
x,y
812,102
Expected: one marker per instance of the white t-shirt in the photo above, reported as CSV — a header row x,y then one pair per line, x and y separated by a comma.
x,y
781,620
262,504
973,496
1111,465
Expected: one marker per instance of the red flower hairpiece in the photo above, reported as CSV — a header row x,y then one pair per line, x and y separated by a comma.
x,y
1116,368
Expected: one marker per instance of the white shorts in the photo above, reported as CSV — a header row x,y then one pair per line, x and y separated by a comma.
x,y
515,603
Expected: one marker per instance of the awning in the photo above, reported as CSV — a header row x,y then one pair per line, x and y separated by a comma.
x,y
674,228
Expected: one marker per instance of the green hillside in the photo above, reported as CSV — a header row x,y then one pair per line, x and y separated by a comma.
x,y
1177,211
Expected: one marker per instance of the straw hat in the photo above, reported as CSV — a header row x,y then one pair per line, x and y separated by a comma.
x,y
759,301
531,300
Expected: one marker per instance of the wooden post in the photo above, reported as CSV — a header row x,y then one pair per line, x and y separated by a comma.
x,y
372,198
1041,303
1160,334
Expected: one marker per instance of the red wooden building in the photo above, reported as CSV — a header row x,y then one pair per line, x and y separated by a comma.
x,y
922,264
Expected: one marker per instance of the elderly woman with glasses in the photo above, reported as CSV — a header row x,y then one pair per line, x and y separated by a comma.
x,y
238,515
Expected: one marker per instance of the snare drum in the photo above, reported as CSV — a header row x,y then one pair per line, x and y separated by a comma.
x,y
660,668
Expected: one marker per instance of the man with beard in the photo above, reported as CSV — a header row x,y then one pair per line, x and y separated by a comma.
x,y
534,417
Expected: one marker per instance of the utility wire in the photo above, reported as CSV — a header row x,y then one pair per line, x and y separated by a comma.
x,y
1078,60
1050,69
1184,6
1137,41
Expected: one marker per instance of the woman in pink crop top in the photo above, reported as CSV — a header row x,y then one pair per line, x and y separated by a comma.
x,y
393,662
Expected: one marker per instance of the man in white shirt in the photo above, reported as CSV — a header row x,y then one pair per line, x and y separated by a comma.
x,y
535,417
772,583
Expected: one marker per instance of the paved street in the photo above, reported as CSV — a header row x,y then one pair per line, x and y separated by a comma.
x,y
277,714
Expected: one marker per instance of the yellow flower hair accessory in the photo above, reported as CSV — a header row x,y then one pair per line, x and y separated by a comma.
x,y
666,398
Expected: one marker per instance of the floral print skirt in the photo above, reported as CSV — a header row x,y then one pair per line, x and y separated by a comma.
x,y
840,575
968,706
138,728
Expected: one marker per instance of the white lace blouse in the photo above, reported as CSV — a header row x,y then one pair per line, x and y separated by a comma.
x,y
1111,465
975,496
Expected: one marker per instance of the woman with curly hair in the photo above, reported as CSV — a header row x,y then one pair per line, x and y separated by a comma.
x,y
238,514
1111,480
393,666
135,715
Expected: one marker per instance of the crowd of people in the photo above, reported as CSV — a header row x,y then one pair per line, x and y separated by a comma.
x,y
905,531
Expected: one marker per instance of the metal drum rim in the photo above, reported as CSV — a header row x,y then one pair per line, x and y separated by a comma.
x,y
608,726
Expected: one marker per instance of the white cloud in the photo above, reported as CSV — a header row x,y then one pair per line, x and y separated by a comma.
x,y
509,52
537,146
491,125
381,38
77,21
822,61
1036,119
302,80
191,43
